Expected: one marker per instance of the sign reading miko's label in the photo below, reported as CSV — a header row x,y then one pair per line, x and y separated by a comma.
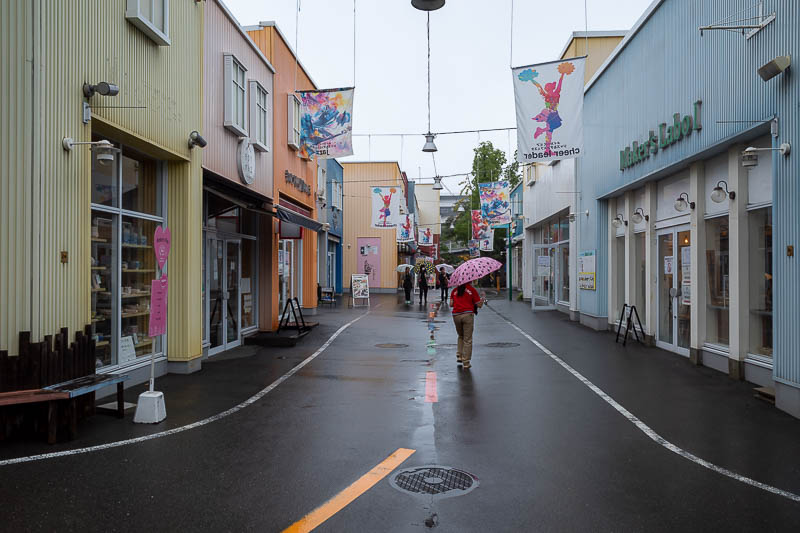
x,y
667,135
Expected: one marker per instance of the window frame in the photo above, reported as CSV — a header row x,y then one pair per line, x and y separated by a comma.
x,y
261,139
294,110
134,15
231,63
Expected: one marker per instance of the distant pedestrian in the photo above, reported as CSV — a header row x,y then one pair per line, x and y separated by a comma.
x,y
443,285
408,284
423,287
465,302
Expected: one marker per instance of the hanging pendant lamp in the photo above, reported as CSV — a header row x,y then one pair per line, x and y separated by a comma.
x,y
427,5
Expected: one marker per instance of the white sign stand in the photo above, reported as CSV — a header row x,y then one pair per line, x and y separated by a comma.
x,y
151,408
359,284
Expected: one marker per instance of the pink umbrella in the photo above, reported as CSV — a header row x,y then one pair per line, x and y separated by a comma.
x,y
473,269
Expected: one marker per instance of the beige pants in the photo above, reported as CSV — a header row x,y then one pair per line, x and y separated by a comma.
x,y
464,325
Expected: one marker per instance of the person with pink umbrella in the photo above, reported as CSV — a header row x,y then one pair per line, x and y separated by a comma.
x,y
465,301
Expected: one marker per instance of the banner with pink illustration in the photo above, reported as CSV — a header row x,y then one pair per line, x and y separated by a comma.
x,y
495,203
386,207
369,259
326,123
405,229
480,226
549,99
425,237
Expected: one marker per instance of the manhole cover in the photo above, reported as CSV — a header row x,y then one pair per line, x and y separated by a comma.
x,y
436,481
502,344
391,345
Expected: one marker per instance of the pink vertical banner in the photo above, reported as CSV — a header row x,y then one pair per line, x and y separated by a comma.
x,y
369,259
162,241
158,307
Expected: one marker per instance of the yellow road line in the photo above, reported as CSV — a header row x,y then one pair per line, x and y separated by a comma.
x,y
346,497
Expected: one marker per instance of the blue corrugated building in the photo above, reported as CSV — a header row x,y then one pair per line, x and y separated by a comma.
x,y
330,259
689,208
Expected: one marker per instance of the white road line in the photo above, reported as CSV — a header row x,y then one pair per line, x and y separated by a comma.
x,y
644,428
251,400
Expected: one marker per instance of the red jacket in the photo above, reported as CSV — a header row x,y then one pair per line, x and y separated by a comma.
x,y
466,302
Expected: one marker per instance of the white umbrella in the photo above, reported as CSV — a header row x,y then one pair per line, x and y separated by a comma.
x,y
403,268
447,268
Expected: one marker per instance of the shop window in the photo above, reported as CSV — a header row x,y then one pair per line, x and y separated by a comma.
x,y
122,262
760,253
563,222
259,107
564,271
293,121
151,17
321,188
247,284
234,94
336,194
717,264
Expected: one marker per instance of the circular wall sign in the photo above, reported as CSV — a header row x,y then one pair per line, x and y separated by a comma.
x,y
246,161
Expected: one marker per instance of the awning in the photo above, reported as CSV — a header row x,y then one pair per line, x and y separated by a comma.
x,y
296,218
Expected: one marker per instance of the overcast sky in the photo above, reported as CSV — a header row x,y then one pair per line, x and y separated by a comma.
x,y
470,77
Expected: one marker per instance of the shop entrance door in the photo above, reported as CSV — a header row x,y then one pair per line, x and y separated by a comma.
x,y
674,289
225,271
545,277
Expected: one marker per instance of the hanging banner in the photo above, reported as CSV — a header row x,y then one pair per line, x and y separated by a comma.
x,y
487,243
495,204
474,248
405,230
480,226
425,237
385,207
158,307
549,98
326,123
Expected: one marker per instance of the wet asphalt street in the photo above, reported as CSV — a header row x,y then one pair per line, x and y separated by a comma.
x,y
548,453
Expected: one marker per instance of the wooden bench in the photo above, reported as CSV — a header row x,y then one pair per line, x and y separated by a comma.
x,y
68,391
327,296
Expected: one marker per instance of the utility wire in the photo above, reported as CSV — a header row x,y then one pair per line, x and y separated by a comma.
x,y
422,134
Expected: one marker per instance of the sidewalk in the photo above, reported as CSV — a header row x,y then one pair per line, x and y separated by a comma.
x,y
700,410
224,381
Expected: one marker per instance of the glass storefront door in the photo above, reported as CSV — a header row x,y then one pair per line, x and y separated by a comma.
x,y
674,289
544,277
224,270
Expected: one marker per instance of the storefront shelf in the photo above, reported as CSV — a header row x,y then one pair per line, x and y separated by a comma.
x,y
142,246
99,268
139,313
102,343
143,343
138,270
98,239
140,295
100,290
95,320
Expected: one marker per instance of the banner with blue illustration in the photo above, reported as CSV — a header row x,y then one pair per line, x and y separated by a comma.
x,y
474,248
495,203
425,237
326,123
405,229
549,101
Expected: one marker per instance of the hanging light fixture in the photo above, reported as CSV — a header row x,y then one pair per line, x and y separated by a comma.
x,y
682,202
639,215
437,183
719,194
427,5
429,145
460,208
452,226
619,221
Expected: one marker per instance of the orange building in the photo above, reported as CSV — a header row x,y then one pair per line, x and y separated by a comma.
x,y
294,232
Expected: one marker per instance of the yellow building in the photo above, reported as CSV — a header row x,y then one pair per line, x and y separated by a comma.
x,y
76,245
364,245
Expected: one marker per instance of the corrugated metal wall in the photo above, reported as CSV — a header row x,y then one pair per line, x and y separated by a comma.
x,y
358,217
16,97
663,70
70,43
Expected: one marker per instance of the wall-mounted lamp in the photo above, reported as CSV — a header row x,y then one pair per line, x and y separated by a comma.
x,y
774,67
784,149
619,221
682,202
104,150
427,5
437,183
719,194
572,217
195,139
103,88
749,160
639,215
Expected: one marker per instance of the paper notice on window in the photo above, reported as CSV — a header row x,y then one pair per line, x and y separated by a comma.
x,y
127,349
668,265
245,286
686,293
